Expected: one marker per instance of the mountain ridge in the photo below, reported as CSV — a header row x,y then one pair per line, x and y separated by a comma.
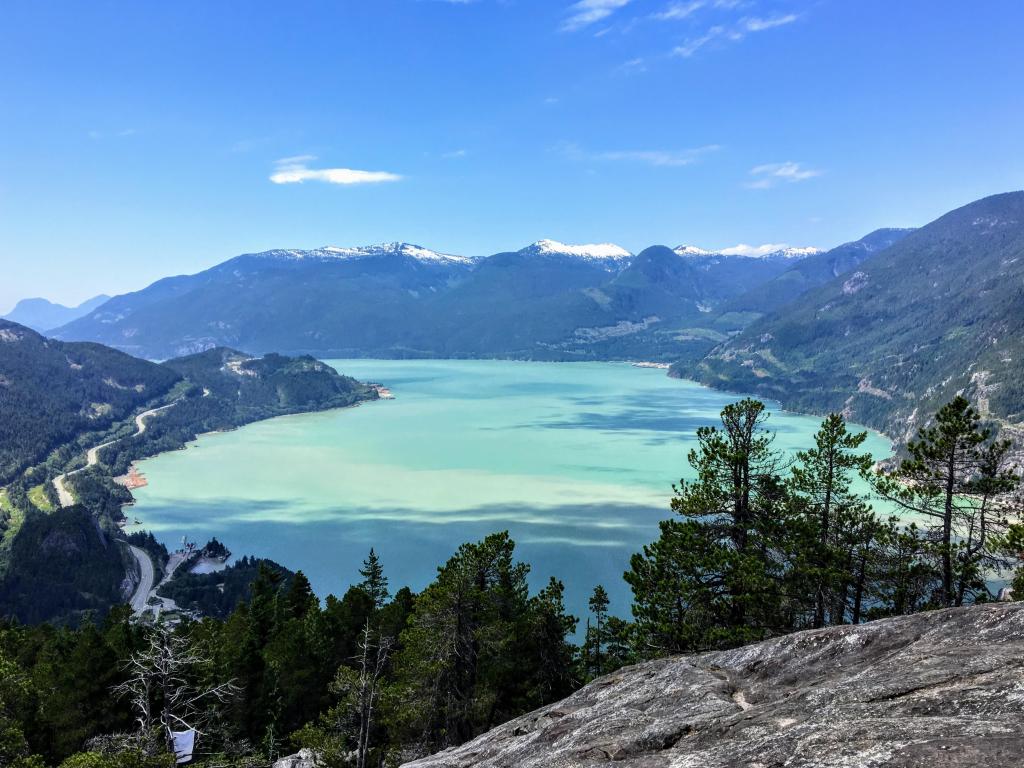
x,y
937,313
548,300
43,315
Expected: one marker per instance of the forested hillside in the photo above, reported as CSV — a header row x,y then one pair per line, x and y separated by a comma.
x,y
52,391
817,269
939,312
224,389
57,399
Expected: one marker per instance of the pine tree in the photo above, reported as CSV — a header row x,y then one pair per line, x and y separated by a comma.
x,y
374,582
458,647
549,656
957,478
838,523
300,598
595,638
713,579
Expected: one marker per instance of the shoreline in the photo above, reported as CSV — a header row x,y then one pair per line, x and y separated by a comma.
x,y
133,469
385,393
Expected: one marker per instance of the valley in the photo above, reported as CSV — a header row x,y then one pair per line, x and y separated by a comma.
x,y
498,384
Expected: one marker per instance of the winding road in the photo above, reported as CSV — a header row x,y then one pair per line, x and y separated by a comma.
x,y
141,595
92,458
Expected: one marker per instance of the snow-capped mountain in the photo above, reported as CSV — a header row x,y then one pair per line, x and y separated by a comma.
x,y
749,252
549,299
793,253
602,252
692,250
369,251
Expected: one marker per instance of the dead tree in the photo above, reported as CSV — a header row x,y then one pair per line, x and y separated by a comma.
x,y
162,687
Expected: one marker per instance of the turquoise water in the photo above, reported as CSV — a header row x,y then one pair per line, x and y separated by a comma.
x,y
576,460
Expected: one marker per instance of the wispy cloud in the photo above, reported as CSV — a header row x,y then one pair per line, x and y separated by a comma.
x,y
633,66
755,24
587,12
735,32
455,153
691,46
679,10
771,174
122,133
684,9
660,158
296,170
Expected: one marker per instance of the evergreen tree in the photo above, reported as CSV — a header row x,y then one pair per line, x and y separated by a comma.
x,y
457,648
550,657
374,582
837,523
956,478
596,635
713,579
299,599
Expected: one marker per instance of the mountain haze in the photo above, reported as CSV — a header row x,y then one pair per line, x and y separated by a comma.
x,y
43,315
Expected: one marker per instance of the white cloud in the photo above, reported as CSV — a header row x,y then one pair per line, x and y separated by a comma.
x,y
754,24
753,250
691,46
633,65
739,30
587,12
295,170
663,158
770,174
679,10
455,153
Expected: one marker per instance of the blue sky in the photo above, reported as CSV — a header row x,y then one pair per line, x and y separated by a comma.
x,y
141,139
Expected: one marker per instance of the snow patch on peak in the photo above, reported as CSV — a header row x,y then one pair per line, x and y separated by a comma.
x,y
692,250
590,252
796,253
368,251
769,251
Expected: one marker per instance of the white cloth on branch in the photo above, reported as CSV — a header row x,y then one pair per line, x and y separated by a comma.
x,y
184,743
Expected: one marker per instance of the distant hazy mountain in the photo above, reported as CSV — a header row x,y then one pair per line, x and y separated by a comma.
x,y
939,312
816,269
548,300
42,315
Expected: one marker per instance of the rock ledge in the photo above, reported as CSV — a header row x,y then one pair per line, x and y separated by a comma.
x,y
943,688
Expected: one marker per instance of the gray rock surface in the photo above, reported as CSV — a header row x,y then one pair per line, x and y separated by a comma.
x,y
943,688
304,758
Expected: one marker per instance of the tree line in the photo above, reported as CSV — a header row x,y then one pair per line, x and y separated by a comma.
x,y
760,544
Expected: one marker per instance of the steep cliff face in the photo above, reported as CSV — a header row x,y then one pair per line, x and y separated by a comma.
x,y
944,688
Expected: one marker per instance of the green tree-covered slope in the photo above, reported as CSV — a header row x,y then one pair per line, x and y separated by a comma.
x,y
940,312
52,391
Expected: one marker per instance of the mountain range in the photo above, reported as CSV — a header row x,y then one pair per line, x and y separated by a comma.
x,y
548,301
883,327
42,315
